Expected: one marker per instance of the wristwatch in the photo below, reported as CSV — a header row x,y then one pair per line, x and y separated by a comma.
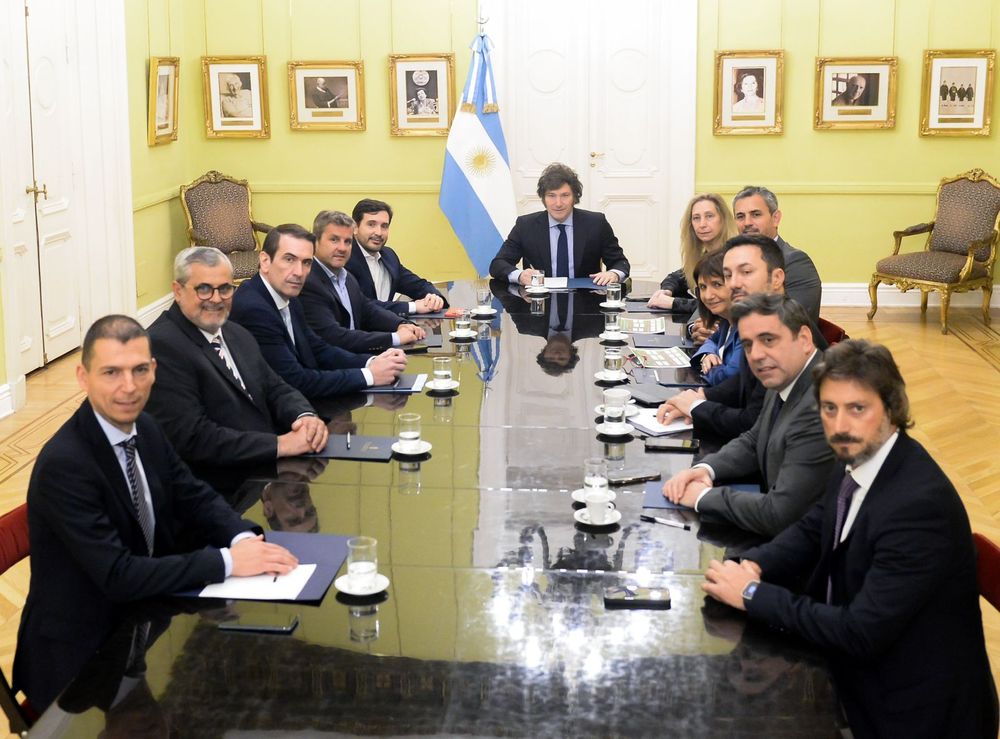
x,y
748,592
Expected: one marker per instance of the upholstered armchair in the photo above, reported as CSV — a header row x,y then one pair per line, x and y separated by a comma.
x,y
960,250
217,208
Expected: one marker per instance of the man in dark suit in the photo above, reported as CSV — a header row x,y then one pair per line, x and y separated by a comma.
x,y
563,240
334,305
377,267
268,307
785,447
114,515
881,573
219,402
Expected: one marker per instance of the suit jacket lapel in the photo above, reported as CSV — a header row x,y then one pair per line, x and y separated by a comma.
x,y
580,235
545,245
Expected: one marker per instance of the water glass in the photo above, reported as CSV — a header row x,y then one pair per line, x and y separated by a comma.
x,y
611,322
362,562
613,360
483,296
614,406
595,474
442,369
614,292
409,433
538,279
462,321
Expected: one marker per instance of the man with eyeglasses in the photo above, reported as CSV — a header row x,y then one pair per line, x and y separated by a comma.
x,y
217,399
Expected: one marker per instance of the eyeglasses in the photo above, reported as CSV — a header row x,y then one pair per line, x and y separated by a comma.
x,y
206,291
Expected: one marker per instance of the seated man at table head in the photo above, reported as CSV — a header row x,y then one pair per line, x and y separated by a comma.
x,y
562,240
378,269
219,402
785,447
335,307
881,573
114,515
268,306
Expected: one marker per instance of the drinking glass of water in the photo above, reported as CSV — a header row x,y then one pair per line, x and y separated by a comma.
x,y
595,474
409,433
362,562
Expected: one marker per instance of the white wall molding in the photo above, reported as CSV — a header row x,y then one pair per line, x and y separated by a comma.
x,y
356,188
854,294
156,198
7,406
848,189
149,313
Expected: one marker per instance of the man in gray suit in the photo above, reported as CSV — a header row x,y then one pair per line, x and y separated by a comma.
x,y
785,447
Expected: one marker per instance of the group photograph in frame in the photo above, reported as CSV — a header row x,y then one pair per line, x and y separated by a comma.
x,y
421,94
855,92
957,92
748,92
164,72
235,96
327,95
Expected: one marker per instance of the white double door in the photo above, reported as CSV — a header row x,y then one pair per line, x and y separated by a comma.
x,y
609,89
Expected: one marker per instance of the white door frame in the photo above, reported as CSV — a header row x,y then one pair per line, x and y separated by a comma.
x,y
100,166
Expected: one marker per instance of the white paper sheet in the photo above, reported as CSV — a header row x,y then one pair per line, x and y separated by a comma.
x,y
418,383
645,420
557,283
261,587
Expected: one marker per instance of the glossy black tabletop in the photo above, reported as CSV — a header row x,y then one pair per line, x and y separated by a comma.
x,y
494,622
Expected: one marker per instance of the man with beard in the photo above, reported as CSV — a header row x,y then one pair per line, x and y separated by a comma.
x,y
888,566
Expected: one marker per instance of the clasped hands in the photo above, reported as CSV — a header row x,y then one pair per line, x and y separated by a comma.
x,y
725,581
430,303
678,406
599,278
685,487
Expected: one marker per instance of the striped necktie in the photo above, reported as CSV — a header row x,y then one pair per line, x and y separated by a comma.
x,y
217,345
142,511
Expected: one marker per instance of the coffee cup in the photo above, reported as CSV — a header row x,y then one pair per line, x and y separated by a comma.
x,y
599,506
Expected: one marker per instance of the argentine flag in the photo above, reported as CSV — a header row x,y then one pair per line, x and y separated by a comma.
x,y
477,192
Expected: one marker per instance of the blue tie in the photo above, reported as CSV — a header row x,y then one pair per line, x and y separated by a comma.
x,y
562,252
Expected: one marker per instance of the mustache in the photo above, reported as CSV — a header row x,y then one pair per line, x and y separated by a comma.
x,y
844,439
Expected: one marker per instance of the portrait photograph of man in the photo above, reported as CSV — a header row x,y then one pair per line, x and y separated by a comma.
x,y
326,92
422,93
855,88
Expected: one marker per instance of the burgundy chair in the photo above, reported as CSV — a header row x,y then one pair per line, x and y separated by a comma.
x,y
13,548
833,333
988,569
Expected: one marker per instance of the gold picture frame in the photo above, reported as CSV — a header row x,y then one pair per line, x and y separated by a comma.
x,y
326,95
164,74
421,94
957,92
748,92
855,92
235,91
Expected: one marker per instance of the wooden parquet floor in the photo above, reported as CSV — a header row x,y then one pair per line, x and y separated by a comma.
x,y
953,383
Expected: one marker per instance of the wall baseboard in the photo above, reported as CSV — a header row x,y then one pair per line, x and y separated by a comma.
x,y
6,400
856,294
149,313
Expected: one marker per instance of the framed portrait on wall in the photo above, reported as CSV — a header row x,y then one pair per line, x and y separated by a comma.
x,y
748,92
957,92
326,95
421,94
235,96
855,92
164,71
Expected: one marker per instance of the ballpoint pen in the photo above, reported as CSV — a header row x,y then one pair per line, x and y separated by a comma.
x,y
665,522
348,439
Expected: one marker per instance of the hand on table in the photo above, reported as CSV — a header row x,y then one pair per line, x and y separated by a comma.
x,y
681,486
254,556
409,333
308,434
430,303
605,278
661,299
725,581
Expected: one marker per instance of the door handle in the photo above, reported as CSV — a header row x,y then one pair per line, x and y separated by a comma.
x,y
44,192
596,154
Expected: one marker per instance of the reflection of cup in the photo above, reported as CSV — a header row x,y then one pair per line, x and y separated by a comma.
x,y
363,623
614,451
362,562
611,322
409,433
409,478
612,360
599,506
538,279
614,406
484,331
442,369
537,307
462,321
483,296
595,474
614,292
443,410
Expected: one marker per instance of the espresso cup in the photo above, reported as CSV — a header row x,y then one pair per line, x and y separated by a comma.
x,y
599,506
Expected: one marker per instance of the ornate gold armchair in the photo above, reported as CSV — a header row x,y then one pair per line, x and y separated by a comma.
x,y
217,208
961,247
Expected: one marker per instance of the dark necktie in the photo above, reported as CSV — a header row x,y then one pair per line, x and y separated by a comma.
x,y
562,310
775,412
217,345
847,488
562,252
142,511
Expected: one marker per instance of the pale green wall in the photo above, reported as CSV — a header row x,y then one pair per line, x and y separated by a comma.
x,y
842,193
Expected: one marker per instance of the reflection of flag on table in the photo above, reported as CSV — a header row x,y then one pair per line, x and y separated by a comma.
x,y
477,193
486,352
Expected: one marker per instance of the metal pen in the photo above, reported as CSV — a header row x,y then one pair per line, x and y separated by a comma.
x,y
665,522
348,439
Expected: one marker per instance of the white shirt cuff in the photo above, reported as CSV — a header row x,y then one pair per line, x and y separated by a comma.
x,y
515,276
621,275
695,404
702,465
701,495
369,377
411,307
227,556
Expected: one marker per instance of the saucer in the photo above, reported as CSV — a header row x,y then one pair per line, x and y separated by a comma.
x,y
536,290
610,429
381,583
583,516
467,334
630,409
425,446
441,385
606,376
487,311
613,336
608,305
580,495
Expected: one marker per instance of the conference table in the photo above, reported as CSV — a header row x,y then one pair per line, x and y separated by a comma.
x,y
494,621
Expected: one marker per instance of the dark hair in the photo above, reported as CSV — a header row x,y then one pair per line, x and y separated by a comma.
x,y
555,368
750,190
270,246
710,265
792,315
370,206
555,176
330,217
870,365
118,327
770,252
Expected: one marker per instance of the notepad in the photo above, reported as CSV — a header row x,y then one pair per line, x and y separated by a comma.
x,y
642,325
403,384
261,587
670,357
363,448
645,421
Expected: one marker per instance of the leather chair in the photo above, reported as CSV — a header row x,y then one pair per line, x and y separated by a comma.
x,y
217,208
13,548
988,569
960,250
833,333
